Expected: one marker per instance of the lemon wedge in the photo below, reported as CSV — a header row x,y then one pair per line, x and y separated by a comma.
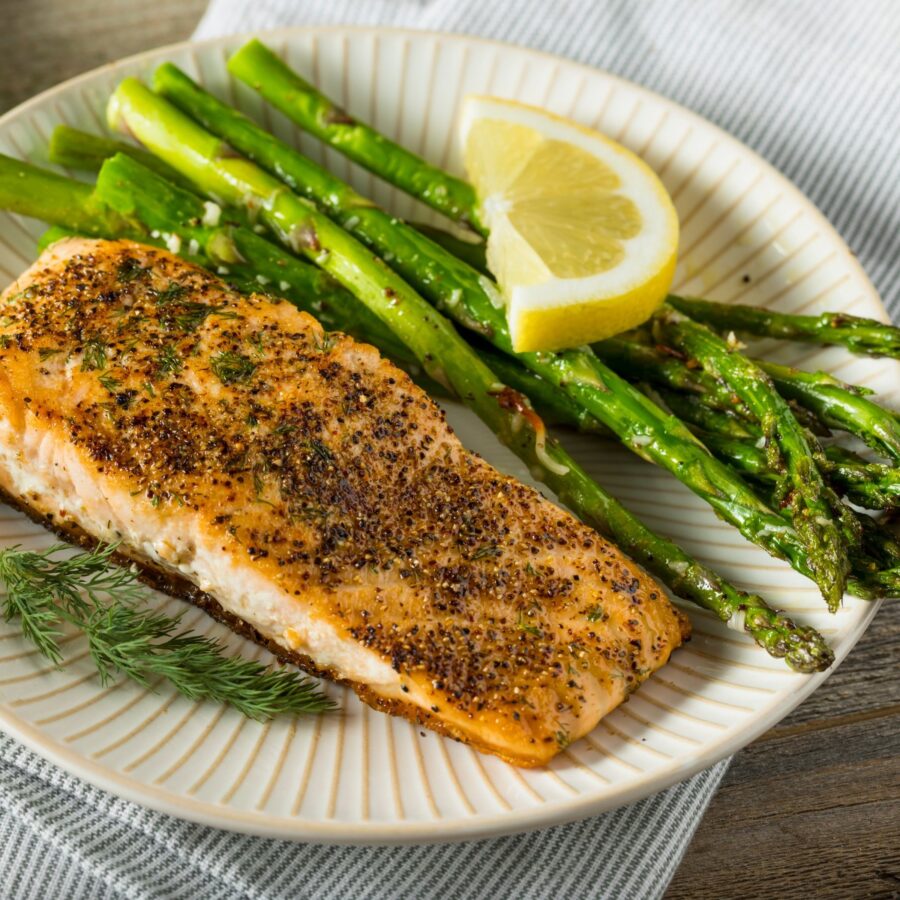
x,y
583,236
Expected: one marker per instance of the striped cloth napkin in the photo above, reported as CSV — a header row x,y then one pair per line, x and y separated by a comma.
x,y
811,85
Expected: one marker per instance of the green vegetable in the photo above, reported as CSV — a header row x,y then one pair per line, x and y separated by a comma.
x,y
76,149
870,485
822,522
865,336
46,589
839,406
41,194
256,65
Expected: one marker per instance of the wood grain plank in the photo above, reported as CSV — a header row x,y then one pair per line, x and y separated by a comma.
x,y
812,808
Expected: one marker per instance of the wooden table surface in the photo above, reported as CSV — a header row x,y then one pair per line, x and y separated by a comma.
x,y
811,809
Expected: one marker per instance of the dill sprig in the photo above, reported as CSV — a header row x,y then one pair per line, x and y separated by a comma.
x,y
230,367
93,356
168,362
131,270
191,315
45,589
170,294
109,382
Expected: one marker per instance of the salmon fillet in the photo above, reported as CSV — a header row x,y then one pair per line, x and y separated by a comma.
x,y
307,492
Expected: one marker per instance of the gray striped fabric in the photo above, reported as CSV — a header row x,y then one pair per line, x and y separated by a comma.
x,y
810,85
60,837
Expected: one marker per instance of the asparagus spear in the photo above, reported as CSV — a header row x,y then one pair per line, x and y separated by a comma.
x,y
457,290
817,514
41,194
692,410
864,336
82,150
511,417
835,404
455,198
471,252
839,406
870,485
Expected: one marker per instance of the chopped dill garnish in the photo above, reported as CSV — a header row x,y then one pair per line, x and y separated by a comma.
x,y
524,625
170,294
529,568
47,352
230,367
596,614
148,387
255,340
93,356
320,450
168,362
131,270
486,551
47,589
191,315
563,739
110,383
259,484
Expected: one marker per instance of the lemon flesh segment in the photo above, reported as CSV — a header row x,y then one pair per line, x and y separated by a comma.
x,y
583,236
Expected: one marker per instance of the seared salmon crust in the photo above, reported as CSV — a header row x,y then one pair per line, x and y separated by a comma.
x,y
315,499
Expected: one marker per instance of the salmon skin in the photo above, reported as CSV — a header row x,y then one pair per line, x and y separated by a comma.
x,y
306,491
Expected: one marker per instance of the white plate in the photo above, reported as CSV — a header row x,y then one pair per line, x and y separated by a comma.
x,y
358,775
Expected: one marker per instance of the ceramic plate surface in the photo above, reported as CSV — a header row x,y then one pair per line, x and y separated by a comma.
x,y
358,775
